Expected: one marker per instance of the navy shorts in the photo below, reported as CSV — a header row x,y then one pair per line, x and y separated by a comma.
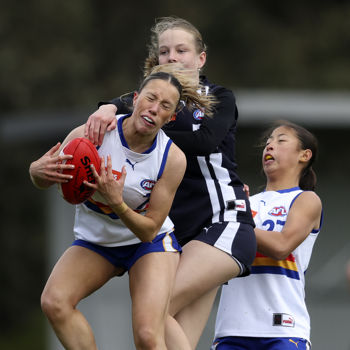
x,y
126,256
252,343
235,238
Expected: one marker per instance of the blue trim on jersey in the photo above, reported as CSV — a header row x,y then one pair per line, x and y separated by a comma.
x,y
120,130
321,223
321,220
291,203
154,145
289,190
96,209
276,270
165,157
122,138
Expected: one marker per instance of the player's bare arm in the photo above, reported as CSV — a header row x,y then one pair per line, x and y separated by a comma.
x,y
100,122
145,227
303,217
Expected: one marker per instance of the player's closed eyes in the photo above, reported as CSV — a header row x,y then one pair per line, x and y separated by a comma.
x,y
166,106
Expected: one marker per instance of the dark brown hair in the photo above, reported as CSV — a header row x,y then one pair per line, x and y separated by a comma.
x,y
308,179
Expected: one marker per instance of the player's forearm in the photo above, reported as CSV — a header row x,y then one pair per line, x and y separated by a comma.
x,y
272,244
143,227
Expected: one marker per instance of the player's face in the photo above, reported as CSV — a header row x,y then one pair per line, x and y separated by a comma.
x,y
154,106
177,45
282,151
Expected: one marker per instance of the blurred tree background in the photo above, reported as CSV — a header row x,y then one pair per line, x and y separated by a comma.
x,y
59,56
66,54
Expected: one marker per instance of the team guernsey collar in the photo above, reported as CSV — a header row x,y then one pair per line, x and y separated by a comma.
x,y
297,188
122,138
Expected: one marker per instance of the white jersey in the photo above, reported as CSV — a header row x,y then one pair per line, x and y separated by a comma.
x,y
94,220
271,301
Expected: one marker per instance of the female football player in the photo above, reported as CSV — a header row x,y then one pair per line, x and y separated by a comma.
x,y
124,226
211,212
266,310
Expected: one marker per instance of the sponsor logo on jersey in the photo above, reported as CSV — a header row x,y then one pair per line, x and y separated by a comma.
x,y
283,320
198,114
147,184
278,211
240,205
295,343
131,164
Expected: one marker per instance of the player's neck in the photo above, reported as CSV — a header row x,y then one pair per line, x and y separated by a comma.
x,y
137,142
278,185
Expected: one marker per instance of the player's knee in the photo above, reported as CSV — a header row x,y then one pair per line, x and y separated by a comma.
x,y
54,305
146,338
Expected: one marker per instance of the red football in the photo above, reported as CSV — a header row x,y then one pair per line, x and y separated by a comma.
x,y
84,154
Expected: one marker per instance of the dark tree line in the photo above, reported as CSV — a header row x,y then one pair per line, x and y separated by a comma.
x,y
58,54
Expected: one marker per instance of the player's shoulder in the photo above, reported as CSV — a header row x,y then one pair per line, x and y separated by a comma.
x,y
216,89
176,162
177,155
309,198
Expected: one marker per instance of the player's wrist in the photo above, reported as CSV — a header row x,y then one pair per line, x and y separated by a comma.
x,y
121,208
109,107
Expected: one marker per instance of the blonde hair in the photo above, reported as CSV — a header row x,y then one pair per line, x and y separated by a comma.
x,y
163,24
192,95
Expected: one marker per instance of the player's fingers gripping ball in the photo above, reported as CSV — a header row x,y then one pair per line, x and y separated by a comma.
x,y
84,154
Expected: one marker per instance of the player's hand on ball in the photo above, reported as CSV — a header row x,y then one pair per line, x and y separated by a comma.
x,y
108,184
48,169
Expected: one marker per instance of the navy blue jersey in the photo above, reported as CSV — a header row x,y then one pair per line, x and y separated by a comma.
x,y
211,190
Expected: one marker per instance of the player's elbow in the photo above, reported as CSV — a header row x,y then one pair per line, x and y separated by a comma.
x,y
147,235
147,238
280,252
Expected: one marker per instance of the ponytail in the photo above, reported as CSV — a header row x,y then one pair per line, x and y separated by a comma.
x,y
308,179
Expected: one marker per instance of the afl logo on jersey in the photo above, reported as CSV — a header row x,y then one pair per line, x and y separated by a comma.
x,y
198,114
147,184
278,211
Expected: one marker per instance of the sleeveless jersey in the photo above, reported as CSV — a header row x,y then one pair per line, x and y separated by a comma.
x,y
271,301
94,220
211,179
210,184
